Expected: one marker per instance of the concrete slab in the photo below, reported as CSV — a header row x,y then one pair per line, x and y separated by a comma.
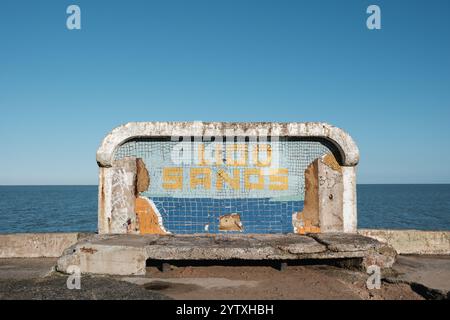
x,y
412,241
127,254
426,273
37,245
23,269
339,242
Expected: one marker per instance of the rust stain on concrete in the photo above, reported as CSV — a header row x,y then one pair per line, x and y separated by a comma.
x,y
88,250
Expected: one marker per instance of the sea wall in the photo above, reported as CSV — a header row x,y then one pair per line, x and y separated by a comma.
x,y
412,241
37,245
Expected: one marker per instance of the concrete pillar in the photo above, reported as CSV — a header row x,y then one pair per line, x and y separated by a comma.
x,y
323,209
349,199
330,194
117,194
104,199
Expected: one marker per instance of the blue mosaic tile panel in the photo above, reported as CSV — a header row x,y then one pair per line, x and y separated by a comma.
x,y
264,185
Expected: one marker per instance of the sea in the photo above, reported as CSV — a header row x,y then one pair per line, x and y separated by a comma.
x,y
74,208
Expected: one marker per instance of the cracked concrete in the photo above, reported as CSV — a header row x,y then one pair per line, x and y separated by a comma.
x,y
127,254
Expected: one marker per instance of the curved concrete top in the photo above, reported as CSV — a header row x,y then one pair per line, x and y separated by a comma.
x,y
338,137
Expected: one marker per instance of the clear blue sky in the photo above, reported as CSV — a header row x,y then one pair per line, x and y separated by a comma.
x,y
62,91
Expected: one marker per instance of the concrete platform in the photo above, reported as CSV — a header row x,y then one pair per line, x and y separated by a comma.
x,y
427,274
31,278
127,254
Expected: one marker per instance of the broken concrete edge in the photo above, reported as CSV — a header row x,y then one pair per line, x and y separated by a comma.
x,y
128,254
412,241
338,137
323,204
38,245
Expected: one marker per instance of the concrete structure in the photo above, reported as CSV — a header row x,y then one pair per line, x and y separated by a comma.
x,y
37,245
127,254
412,241
428,275
270,203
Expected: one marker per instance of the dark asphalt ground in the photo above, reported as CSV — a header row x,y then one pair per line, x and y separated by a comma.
x,y
54,287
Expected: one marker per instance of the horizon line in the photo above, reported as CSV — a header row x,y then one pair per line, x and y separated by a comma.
x,y
96,185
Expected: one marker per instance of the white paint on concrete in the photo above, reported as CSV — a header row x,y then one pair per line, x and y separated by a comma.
x,y
349,199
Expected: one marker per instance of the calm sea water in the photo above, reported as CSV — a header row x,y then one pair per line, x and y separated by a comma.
x,y
74,208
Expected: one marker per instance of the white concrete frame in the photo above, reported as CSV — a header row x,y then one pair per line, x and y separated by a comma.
x,y
339,138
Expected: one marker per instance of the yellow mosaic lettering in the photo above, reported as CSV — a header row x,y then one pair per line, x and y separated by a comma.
x,y
173,178
280,178
232,150
200,176
222,177
201,156
257,150
252,185
219,154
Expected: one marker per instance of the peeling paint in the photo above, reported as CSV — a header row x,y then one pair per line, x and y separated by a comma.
x,y
149,219
230,222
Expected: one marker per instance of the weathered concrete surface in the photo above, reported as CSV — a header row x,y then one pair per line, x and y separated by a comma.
x,y
339,242
244,281
117,217
323,207
265,281
33,278
376,253
26,268
344,143
36,245
429,275
331,191
412,241
123,194
349,202
104,259
127,254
